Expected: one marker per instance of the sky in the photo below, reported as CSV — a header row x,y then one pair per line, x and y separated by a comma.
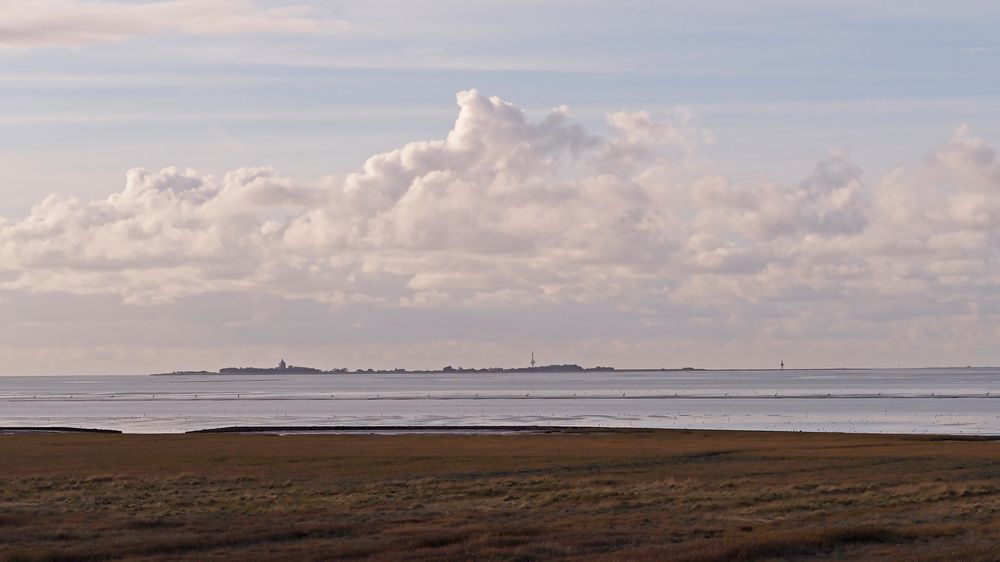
x,y
193,184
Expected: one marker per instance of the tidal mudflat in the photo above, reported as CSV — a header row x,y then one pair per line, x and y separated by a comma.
x,y
939,401
568,495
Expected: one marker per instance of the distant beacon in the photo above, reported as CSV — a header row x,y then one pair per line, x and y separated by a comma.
x,y
281,364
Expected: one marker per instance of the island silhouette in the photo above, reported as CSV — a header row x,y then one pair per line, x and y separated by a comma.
x,y
284,368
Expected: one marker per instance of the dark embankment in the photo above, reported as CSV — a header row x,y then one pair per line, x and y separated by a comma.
x,y
429,429
651,495
55,429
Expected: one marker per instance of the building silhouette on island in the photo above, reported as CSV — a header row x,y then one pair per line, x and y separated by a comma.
x,y
282,369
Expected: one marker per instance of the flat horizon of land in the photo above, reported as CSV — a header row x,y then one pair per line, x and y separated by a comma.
x,y
555,368
283,369
568,495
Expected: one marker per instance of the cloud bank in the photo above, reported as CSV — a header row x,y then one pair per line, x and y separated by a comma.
x,y
508,213
76,23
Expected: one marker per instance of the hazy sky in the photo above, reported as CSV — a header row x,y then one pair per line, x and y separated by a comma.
x,y
202,183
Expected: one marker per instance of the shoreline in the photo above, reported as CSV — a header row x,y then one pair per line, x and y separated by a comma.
x,y
482,430
528,370
483,372
58,429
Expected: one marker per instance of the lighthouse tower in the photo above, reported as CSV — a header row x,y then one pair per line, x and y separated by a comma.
x,y
532,358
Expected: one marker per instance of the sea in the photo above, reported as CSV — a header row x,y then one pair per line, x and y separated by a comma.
x,y
949,401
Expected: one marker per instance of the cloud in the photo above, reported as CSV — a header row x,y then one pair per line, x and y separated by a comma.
x,y
76,23
508,212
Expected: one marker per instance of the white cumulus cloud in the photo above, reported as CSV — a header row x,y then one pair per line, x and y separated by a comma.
x,y
509,211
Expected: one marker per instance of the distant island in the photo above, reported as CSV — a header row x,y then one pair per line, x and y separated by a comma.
x,y
285,369
281,369
566,368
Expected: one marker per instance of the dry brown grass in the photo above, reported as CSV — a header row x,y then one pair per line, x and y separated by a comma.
x,y
657,495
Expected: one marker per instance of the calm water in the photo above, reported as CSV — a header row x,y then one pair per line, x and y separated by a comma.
x,y
952,401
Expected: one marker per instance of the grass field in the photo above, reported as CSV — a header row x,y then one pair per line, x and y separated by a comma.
x,y
653,495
